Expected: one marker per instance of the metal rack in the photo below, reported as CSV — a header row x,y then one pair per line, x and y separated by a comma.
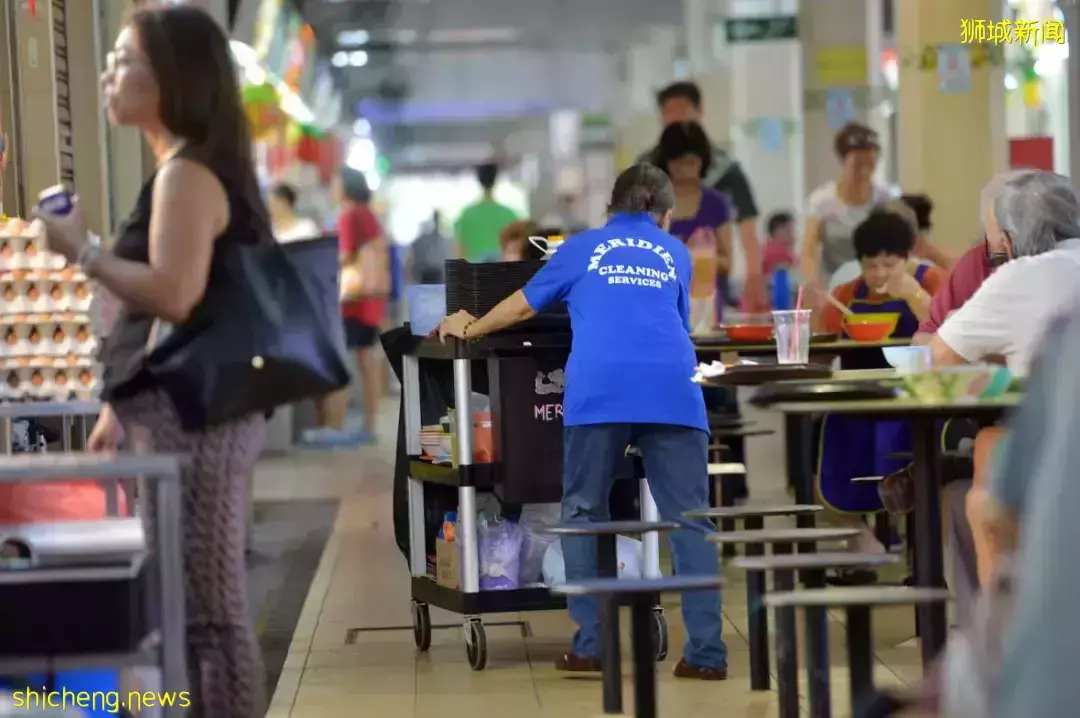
x,y
469,478
161,570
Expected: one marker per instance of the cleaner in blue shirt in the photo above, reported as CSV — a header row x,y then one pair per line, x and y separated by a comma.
x,y
627,383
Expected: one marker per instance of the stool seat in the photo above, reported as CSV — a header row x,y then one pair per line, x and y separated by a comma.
x,y
726,469
605,528
808,561
788,535
858,596
741,512
616,586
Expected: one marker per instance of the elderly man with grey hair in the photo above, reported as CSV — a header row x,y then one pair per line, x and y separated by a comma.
x,y
1034,224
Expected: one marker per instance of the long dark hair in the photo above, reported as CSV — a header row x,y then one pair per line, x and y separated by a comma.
x,y
200,96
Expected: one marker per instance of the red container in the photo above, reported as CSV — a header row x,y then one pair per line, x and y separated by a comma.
x,y
748,332
869,331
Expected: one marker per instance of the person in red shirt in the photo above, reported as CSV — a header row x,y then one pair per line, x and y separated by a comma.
x,y
967,275
362,246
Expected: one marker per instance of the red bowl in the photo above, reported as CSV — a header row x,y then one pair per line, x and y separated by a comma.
x,y
869,331
748,332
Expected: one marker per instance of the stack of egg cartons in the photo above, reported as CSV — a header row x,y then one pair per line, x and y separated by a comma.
x,y
47,346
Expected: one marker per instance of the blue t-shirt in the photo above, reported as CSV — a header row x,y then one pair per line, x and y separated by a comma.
x,y
627,288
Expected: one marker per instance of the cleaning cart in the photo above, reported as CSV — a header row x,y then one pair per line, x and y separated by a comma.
x,y
522,373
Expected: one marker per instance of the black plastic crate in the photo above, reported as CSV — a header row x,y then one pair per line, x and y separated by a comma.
x,y
477,287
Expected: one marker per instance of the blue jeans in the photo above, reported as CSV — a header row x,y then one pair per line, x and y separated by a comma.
x,y
676,464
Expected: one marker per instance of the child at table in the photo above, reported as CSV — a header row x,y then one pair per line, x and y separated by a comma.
x,y
889,282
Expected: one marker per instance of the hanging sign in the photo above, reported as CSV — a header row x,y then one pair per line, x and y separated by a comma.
x,y
759,29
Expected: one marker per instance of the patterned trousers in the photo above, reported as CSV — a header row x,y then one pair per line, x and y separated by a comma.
x,y
225,672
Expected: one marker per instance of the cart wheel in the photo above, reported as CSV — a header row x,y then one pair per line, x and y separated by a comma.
x,y
660,633
476,643
421,625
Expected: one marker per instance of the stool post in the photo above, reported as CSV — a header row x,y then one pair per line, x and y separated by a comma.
x,y
860,655
787,659
611,654
757,620
644,658
817,650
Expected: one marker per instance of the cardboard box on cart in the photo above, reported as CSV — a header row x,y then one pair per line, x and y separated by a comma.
x,y
447,564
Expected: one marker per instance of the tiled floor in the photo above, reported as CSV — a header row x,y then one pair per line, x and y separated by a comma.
x,y
362,583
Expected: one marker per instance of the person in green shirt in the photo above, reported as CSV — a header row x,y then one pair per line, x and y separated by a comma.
x,y
477,229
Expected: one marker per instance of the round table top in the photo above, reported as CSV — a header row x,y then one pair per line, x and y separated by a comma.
x,y
831,559
858,596
605,528
790,535
614,586
736,512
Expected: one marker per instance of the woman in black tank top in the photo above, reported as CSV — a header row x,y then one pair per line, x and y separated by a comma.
x,y
172,76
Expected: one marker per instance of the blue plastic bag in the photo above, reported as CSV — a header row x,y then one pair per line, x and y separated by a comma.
x,y
499,544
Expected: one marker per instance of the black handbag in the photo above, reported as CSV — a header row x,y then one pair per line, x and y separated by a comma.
x,y
267,333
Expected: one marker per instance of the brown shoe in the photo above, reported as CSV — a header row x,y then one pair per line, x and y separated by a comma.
x,y
573,663
685,670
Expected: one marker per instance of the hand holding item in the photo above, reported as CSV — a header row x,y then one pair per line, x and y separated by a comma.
x,y
455,325
902,285
65,234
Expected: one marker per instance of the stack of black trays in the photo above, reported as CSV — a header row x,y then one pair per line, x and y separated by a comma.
x,y
477,287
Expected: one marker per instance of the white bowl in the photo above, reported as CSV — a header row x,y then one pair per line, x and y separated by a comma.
x,y
908,360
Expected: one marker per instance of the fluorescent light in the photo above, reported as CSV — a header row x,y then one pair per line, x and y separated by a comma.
x,y
353,38
244,54
1010,81
340,59
406,37
358,58
477,35
362,127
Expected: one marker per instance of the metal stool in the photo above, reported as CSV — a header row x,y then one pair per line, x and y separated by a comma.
x,y
753,518
812,567
642,595
783,542
607,562
857,602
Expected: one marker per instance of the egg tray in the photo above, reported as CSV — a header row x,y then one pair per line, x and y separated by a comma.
x,y
50,384
45,296
27,252
47,340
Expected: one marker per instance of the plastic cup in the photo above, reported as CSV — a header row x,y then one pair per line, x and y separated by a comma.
x,y
792,330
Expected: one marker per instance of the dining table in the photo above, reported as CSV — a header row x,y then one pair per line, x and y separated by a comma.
x,y
925,418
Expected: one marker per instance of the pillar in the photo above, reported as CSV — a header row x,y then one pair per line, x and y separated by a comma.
x,y
11,178
842,80
35,136
86,53
951,124
1071,10
765,116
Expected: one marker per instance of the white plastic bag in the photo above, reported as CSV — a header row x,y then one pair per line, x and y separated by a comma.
x,y
627,550
534,519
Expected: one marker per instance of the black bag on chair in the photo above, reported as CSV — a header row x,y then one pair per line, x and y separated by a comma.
x,y
266,333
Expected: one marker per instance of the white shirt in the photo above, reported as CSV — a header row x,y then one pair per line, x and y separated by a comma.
x,y
1009,313
838,223
302,228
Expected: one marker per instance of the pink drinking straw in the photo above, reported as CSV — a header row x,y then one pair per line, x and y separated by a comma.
x,y
798,307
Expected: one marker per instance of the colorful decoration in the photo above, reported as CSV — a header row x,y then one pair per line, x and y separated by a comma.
x,y
1030,82
263,109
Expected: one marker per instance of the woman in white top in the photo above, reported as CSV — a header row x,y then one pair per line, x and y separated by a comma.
x,y
288,226
835,209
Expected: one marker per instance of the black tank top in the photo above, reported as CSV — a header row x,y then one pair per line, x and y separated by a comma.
x,y
123,351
